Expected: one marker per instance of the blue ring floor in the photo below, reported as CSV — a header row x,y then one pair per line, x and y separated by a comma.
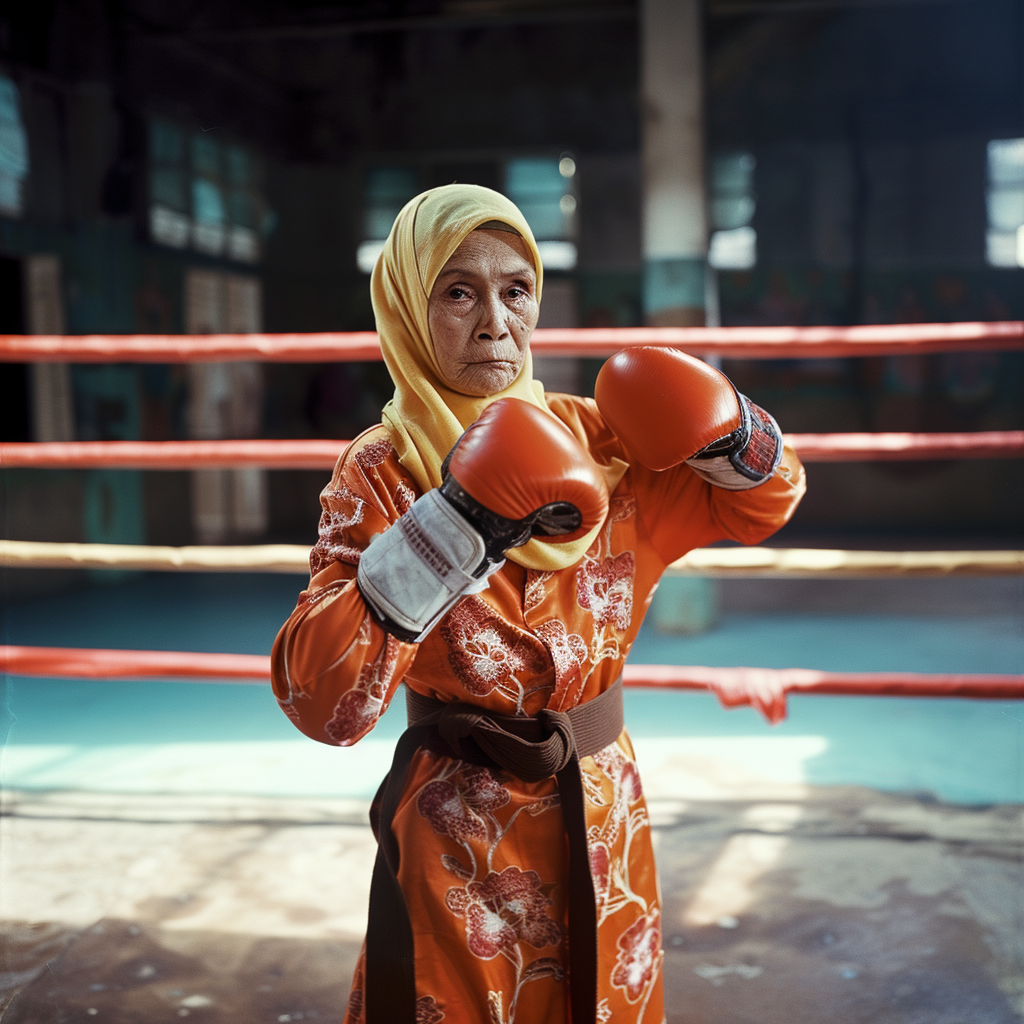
x,y
146,736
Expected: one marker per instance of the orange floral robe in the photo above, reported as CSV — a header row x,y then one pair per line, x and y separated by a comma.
x,y
483,857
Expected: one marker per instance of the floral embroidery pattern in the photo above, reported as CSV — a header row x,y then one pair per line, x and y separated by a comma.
x,y
354,713
506,910
343,509
374,454
486,652
427,1011
610,842
354,1012
542,967
503,910
360,707
404,497
535,590
568,653
614,763
639,956
600,867
454,806
622,508
606,589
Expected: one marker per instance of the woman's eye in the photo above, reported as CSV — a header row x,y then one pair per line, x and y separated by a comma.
x,y
456,293
516,292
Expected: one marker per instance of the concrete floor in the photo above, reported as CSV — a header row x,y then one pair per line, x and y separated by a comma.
x,y
173,851
806,904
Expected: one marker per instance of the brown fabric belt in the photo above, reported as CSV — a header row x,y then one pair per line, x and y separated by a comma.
x,y
550,744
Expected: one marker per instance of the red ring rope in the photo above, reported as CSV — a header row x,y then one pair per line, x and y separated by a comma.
x,y
885,447
731,342
100,663
320,454
766,688
270,454
763,688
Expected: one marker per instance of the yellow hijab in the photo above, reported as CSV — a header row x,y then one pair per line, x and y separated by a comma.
x,y
425,418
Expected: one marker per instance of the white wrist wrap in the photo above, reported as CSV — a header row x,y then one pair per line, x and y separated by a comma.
x,y
414,572
722,473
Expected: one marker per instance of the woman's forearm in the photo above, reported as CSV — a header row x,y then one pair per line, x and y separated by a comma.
x,y
334,669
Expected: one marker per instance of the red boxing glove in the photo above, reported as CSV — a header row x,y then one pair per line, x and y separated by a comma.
x,y
668,407
518,472
515,473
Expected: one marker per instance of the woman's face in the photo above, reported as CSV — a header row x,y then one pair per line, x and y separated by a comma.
x,y
482,311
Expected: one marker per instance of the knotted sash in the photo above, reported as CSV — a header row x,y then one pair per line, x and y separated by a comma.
x,y
532,749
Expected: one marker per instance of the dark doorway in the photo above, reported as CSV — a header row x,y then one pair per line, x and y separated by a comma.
x,y
14,413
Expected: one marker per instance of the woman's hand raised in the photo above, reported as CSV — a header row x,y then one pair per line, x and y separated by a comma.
x,y
515,473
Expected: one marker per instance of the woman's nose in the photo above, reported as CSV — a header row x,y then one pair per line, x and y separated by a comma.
x,y
493,323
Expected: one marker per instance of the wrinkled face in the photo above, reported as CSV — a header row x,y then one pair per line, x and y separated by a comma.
x,y
482,311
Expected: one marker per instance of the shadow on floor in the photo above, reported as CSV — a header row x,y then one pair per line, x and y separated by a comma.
x,y
806,905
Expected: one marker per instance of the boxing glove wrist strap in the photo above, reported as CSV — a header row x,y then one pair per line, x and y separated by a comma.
x,y
744,458
501,533
411,574
497,532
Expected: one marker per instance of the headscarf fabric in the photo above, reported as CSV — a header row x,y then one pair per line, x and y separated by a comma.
x,y
426,417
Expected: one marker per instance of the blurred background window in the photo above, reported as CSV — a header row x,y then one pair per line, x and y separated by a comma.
x,y
1005,202
13,151
245,205
208,211
733,243
545,191
204,194
387,190
169,222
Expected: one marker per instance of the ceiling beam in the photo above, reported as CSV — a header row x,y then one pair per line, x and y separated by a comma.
x,y
460,16
734,8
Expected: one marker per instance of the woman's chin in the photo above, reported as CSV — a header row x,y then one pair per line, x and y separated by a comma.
x,y
484,381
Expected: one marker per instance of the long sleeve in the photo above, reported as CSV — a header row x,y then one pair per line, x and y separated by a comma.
x,y
334,669
681,511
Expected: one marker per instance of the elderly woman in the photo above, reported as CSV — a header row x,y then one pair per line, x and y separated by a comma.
x,y
515,880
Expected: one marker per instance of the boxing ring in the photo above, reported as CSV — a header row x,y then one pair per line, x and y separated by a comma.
x,y
765,689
